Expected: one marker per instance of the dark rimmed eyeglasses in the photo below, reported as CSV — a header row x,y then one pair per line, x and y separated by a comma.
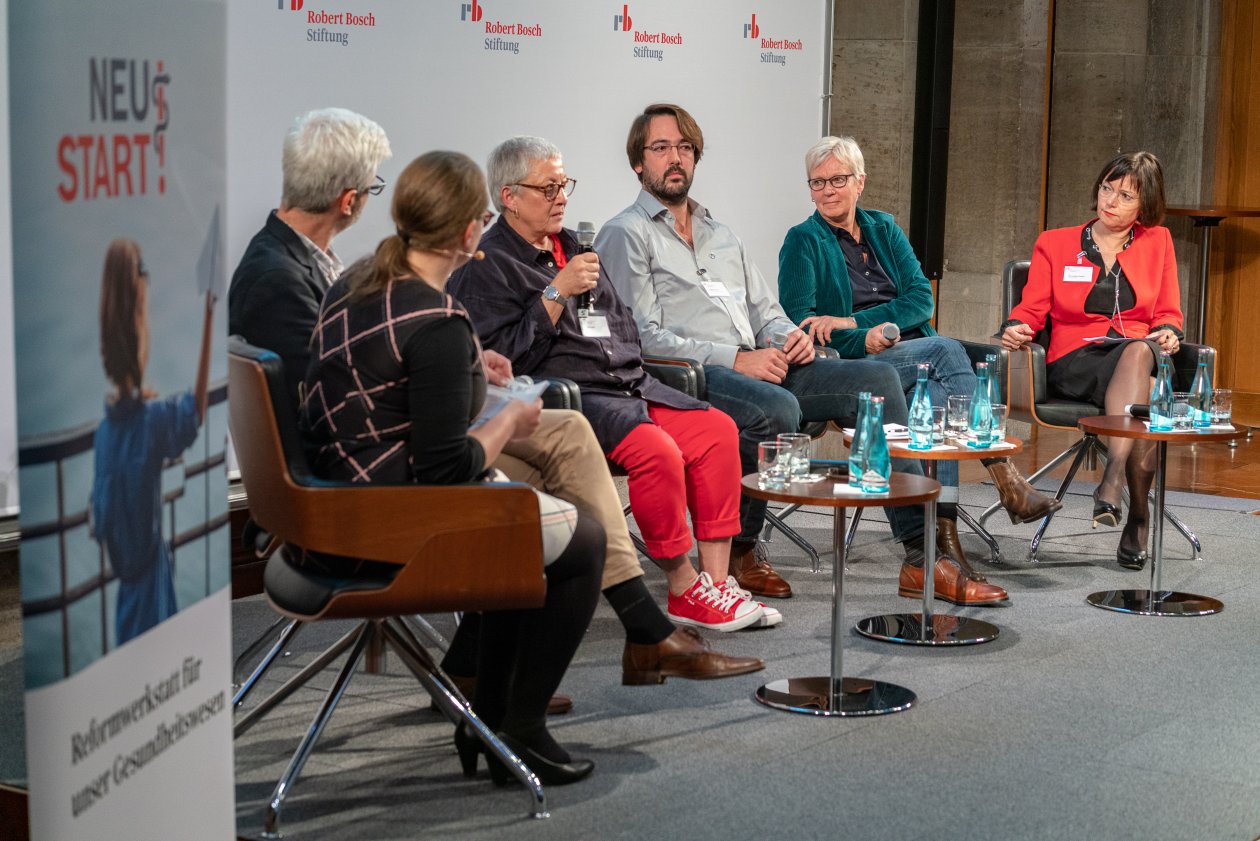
x,y
836,181
375,189
685,149
550,191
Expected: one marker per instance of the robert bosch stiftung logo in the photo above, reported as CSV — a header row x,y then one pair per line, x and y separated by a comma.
x,y
773,50
328,28
622,22
502,36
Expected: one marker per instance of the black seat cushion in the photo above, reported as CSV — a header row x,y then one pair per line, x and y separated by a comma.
x,y
1065,412
303,584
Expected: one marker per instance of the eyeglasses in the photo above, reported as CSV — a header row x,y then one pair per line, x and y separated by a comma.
x,y
375,189
836,181
1106,192
550,191
685,149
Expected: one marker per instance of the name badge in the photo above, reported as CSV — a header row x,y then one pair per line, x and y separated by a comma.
x,y
1078,274
594,325
716,288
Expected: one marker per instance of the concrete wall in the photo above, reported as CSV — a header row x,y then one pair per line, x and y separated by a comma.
x,y
1127,74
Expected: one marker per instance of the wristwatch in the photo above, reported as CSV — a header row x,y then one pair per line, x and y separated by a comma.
x,y
551,293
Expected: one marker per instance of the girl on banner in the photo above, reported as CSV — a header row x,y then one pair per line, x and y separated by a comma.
x,y
139,432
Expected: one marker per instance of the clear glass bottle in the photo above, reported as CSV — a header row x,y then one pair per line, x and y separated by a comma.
x,y
995,388
1201,395
878,462
980,422
921,411
1162,396
857,448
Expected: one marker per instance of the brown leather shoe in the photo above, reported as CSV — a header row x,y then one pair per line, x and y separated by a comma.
x,y
683,653
947,543
467,686
1023,502
951,583
753,573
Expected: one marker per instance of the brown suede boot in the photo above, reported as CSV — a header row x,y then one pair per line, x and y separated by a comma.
x,y
947,543
1023,502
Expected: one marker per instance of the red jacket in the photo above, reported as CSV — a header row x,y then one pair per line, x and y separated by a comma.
x,y
1149,264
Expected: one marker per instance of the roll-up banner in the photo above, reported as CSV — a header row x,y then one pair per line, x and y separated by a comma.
x,y
117,145
468,74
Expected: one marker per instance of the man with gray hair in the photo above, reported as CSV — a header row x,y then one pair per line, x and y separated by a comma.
x,y
329,162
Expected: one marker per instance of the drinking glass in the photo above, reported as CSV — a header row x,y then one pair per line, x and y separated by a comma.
x,y
958,409
772,465
1222,405
1183,415
800,451
997,430
938,425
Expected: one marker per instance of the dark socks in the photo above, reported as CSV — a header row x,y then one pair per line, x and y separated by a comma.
x,y
642,618
947,510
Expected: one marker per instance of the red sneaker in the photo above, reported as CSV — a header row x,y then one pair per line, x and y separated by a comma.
x,y
705,605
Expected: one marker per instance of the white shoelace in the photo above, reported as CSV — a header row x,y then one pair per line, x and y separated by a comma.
x,y
723,600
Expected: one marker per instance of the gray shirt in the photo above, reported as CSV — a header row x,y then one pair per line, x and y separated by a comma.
x,y
705,303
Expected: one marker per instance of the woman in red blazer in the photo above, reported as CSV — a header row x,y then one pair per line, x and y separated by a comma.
x,y
1114,277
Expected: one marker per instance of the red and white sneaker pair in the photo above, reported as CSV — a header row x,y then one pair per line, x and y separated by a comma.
x,y
769,615
713,606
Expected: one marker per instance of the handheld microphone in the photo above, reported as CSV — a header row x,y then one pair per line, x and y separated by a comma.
x,y
1139,410
891,331
586,243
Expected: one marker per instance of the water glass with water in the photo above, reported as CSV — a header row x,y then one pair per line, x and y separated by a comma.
x,y
1222,405
938,425
772,465
1182,412
997,430
800,451
958,409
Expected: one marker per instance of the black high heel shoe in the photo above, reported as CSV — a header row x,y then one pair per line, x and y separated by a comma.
x,y
1105,514
468,747
1131,560
548,771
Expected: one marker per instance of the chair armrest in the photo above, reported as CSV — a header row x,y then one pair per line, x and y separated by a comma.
x,y
686,375
562,394
1021,370
1186,360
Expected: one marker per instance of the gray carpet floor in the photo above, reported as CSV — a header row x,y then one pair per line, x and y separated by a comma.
x,y
1076,723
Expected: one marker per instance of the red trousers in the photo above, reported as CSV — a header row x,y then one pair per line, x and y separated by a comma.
x,y
684,461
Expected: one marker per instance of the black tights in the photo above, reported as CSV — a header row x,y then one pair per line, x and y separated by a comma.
x,y
1130,383
523,654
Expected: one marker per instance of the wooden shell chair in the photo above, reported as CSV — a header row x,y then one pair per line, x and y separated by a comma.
x,y
423,548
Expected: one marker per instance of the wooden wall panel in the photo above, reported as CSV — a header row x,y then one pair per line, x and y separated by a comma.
x,y
1234,290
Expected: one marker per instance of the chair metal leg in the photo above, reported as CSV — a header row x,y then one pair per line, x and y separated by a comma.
x,y
423,667
1035,477
294,683
1193,539
776,521
783,513
282,642
271,819
995,554
251,650
1080,449
426,629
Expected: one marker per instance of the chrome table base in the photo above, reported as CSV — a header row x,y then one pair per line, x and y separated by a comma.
x,y
940,629
1155,602
854,696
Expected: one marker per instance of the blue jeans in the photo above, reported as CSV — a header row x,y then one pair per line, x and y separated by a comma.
x,y
825,389
951,374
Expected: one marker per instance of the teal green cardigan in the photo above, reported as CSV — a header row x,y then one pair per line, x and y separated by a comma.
x,y
814,280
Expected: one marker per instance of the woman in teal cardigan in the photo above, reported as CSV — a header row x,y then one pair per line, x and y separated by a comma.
x,y
845,273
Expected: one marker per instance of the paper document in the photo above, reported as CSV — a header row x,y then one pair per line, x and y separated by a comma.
x,y
892,431
498,396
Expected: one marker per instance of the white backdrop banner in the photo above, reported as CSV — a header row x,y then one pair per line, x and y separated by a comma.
x,y
467,74
119,150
